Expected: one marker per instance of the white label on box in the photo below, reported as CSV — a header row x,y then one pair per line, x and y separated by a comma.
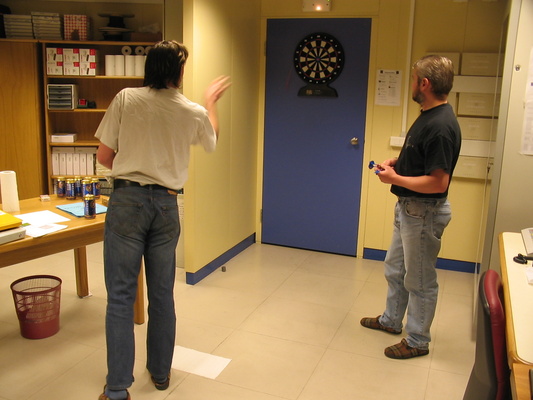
x,y
54,54
71,55
88,55
54,68
88,68
70,68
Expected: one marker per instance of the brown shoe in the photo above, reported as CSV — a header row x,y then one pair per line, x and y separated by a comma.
x,y
403,351
161,385
373,323
104,397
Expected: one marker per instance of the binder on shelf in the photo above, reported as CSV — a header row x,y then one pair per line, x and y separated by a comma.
x,y
62,160
87,159
83,163
70,163
55,161
76,163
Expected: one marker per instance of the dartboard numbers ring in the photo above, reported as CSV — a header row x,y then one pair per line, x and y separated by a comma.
x,y
319,58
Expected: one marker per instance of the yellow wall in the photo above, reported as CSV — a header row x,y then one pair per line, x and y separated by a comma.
x,y
223,36
223,196
439,25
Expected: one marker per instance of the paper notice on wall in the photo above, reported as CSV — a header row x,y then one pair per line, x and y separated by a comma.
x,y
388,87
527,128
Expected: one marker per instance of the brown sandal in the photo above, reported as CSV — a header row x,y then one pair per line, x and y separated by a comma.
x,y
403,351
373,323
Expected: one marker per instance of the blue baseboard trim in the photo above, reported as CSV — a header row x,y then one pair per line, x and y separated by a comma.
x,y
442,263
193,278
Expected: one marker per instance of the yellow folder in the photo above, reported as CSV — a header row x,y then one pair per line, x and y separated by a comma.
x,y
8,221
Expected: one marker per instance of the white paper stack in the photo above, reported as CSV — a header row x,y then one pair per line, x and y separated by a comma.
x,y
18,26
47,25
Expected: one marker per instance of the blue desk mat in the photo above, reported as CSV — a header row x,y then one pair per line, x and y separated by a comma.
x,y
77,209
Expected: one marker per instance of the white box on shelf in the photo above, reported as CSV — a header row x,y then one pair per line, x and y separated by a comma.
x,y
478,104
54,67
63,138
477,128
54,54
71,55
71,68
88,68
481,64
88,55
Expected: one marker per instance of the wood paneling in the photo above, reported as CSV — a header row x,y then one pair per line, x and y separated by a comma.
x,y
21,138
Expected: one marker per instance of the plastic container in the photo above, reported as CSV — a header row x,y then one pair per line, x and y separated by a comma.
x,y
37,300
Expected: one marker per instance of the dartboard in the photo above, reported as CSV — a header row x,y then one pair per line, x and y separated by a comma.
x,y
319,58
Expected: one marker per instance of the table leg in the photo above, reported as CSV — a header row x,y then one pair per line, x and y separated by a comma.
x,y
80,263
138,308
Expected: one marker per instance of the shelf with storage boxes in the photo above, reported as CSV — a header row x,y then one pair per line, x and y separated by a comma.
x,y
478,102
81,80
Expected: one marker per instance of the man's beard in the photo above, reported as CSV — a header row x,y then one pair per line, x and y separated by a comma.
x,y
418,97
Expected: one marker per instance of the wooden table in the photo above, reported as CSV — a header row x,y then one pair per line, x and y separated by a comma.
x,y
518,298
79,233
520,381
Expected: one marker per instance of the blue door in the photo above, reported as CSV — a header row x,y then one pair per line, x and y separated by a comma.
x,y
313,150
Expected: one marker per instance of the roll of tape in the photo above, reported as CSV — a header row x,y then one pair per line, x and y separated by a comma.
x,y
139,50
147,49
126,50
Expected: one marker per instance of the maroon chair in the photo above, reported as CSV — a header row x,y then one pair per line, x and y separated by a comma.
x,y
490,377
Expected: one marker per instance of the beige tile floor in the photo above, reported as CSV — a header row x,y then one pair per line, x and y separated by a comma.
x,y
288,319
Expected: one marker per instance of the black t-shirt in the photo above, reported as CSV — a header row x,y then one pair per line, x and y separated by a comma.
x,y
433,142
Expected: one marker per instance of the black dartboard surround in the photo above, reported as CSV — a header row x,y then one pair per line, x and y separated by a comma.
x,y
318,59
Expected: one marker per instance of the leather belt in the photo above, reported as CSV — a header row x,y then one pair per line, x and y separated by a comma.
x,y
122,183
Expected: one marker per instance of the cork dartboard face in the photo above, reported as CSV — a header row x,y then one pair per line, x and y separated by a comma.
x,y
319,58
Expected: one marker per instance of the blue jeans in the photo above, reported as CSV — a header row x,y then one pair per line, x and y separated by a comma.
x,y
410,266
140,222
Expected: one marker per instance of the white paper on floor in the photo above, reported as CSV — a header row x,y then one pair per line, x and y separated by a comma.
x,y
198,363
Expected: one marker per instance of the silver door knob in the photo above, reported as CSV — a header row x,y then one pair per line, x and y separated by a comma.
x,y
354,141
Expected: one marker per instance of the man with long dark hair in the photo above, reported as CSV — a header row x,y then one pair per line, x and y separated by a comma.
x,y
145,138
420,178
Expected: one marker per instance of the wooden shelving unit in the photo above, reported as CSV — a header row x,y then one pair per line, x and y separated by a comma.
x,y
100,89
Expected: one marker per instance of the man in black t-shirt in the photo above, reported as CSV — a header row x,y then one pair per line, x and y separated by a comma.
x,y
420,177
